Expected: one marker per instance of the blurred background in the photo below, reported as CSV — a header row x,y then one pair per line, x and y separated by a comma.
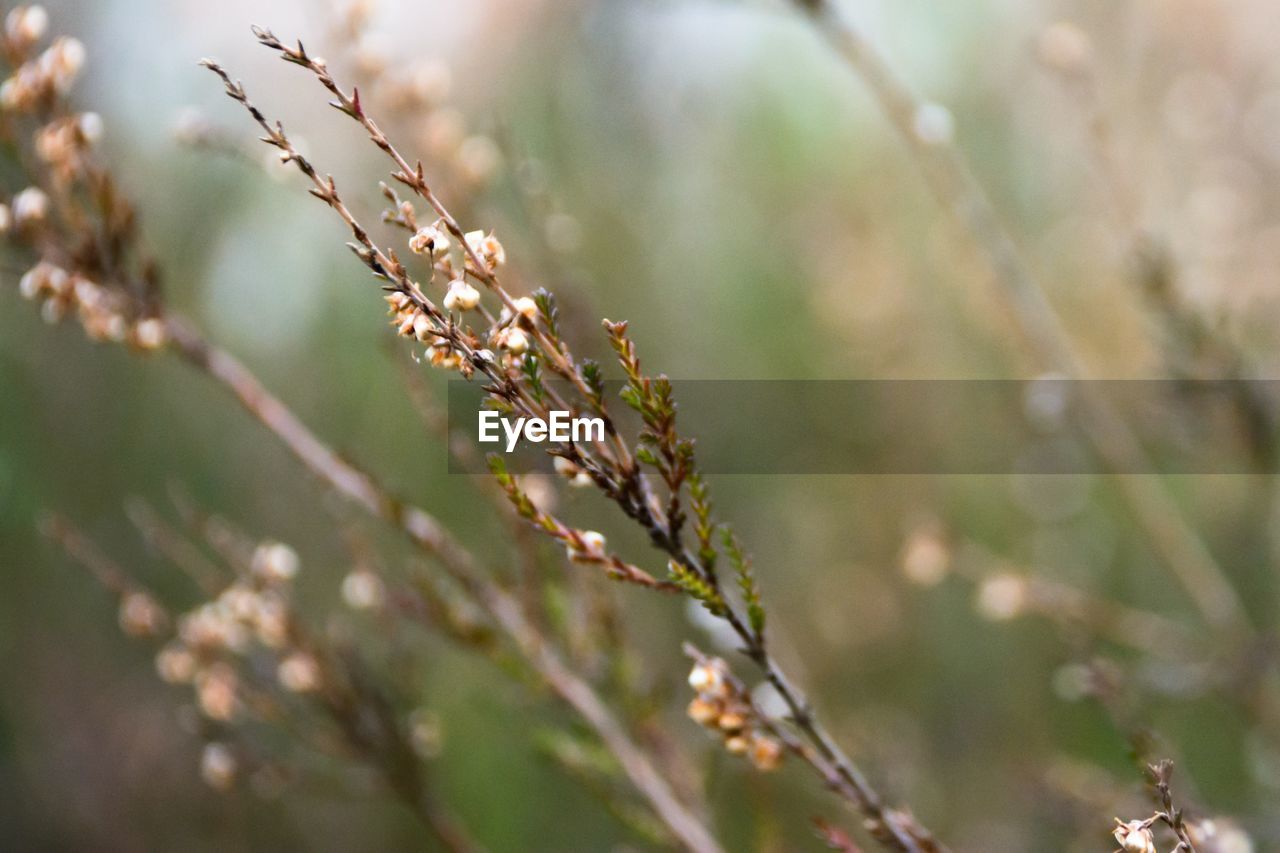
x,y
711,172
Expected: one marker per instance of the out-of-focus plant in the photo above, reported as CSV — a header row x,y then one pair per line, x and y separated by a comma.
x,y
259,665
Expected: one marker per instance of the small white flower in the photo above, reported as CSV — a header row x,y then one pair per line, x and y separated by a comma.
x,y
218,766
91,127
591,547
430,239
27,24
593,542
933,124
514,341
299,673
175,664
422,327
706,678
362,590
461,296
140,615
30,205
149,334
275,562
1134,836
1002,597
526,307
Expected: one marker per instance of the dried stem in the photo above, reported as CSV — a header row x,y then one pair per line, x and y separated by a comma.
x,y
1177,544
896,829
426,533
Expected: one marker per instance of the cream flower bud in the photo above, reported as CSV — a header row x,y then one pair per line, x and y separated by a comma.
x,y
488,248
29,206
271,621
526,307
299,673
422,327
32,282
737,745
706,679
240,601
217,690
732,720
461,296
594,542
26,24
275,562
218,766
362,590
926,559
589,547
1002,597
515,341
91,127
141,615
766,752
149,334
429,239
933,124
63,61
1134,836
704,712
176,664
578,477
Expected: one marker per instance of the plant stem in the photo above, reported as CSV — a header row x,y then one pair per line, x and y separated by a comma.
x,y
426,533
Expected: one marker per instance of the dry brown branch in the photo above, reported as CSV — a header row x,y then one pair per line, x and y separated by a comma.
x,y
1174,540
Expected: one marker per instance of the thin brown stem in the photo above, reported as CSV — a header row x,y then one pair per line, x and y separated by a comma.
x,y
426,533
1175,542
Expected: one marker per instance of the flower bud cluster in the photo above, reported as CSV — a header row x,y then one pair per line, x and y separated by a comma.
x,y
43,78
62,143
253,609
511,334
422,89
723,706
103,313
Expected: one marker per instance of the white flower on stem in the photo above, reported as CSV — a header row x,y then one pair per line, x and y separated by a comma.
x,y
588,546
299,673
30,206
275,562
526,307
362,590
461,296
26,25
1135,836
218,766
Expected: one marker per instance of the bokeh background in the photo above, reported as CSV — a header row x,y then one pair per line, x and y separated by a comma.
x,y
723,182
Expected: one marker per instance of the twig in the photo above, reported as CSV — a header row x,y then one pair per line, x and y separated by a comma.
x,y
1177,544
